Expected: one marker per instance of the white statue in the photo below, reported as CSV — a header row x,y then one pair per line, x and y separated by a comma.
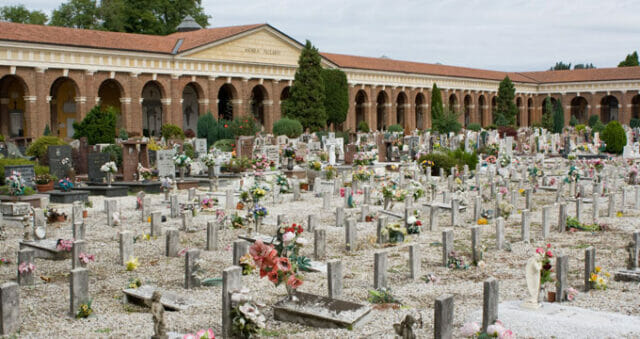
x,y
534,265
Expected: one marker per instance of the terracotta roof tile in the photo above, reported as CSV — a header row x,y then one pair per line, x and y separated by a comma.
x,y
115,40
580,75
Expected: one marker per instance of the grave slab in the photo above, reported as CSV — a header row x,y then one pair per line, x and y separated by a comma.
x,y
46,249
317,311
142,296
62,197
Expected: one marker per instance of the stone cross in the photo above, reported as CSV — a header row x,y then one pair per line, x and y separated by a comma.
x,y
26,256
146,208
240,248
326,200
156,224
562,267
339,217
111,207
126,246
526,226
351,235
319,243
612,205
78,230
229,199
589,265
231,281
433,218
562,218
546,221
382,223
212,236
9,308
414,261
79,289
172,239
380,270
443,317
490,303
476,252
190,269
334,277
175,207
447,246
455,210
76,215
500,233
79,246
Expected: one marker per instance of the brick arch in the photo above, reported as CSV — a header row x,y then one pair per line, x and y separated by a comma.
x,y
401,102
483,110
579,107
259,104
467,109
227,98
382,109
5,80
530,111
520,119
58,107
109,99
16,103
361,105
420,110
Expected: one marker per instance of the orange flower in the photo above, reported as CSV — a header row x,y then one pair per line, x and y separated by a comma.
x,y
273,276
282,264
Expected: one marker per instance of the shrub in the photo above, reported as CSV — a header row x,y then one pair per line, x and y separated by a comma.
x,y
39,147
448,122
12,162
464,158
491,127
363,127
40,170
395,128
614,136
225,145
597,127
170,131
474,127
580,127
635,122
189,150
573,121
123,135
246,125
189,133
98,126
507,131
207,127
593,120
290,127
115,154
440,160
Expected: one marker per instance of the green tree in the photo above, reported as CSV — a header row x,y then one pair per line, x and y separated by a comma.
x,y
21,14
584,66
506,110
207,128
306,101
437,108
558,117
447,122
77,14
98,126
158,17
560,66
614,137
547,118
630,60
336,91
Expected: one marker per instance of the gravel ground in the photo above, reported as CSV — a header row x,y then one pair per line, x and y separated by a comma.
x,y
45,306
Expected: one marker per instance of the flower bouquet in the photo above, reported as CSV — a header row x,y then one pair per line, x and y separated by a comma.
x,y
361,174
394,232
15,183
65,184
315,165
260,164
330,172
246,320
598,278
547,268
144,173
181,160
413,225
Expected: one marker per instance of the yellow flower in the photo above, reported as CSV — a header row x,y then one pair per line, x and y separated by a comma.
x,y
607,275
482,221
132,264
619,214
521,190
593,277
598,268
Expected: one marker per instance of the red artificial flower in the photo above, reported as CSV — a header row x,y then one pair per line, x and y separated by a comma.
x,y
294,282
245,120
225,125
539,250
263,273
283,264
300,229
273,276
418,223
240,127
549,254
548,245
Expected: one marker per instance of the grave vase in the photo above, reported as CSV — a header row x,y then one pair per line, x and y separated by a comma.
x,y
181,169
291,294
109,179
290,164
211,172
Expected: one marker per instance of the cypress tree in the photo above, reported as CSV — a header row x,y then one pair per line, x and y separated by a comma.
x,y
506,110
558,117
547,119
306,103
436,104
207,128
336,90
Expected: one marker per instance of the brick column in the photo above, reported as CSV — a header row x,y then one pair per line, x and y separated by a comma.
x,y
276,107
132,106
174,108
268,115
41,115
212,91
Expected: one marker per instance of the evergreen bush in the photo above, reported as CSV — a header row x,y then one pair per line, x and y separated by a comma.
x,y
115,154
39,147
593,120
440,160
246,125
98,126
614,136
395,128
474,127
290,127
363,127
634,123
225,145
171,131
573,121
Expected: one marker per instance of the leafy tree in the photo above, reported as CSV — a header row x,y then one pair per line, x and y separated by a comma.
x,y
584,66
630,60
560,66
306,101
336,91
506,110
158,17
98,126
447,122
21,14
437,108
77,14
547,119
558,117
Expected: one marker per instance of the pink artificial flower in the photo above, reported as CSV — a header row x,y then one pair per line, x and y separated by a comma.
x,y
182,252
26,267
470,329
507,334
86,258
294,282
342,192
288,236
539,250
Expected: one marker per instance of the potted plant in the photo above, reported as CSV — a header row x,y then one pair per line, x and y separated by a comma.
x,y
44,182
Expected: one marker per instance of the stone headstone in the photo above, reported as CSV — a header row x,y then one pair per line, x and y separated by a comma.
x,y
490,303
164,163
443,317
95,160
27,172
79,289
200,146
380,270
334,277
9,308
245,147
55,156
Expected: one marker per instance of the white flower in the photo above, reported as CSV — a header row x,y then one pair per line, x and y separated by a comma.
x,y
288,236
411,220
481,264
302,241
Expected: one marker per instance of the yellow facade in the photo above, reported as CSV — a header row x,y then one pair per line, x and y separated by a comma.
x,y
66,108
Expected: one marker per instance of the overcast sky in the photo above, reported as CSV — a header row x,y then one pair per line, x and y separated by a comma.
x,y
508,35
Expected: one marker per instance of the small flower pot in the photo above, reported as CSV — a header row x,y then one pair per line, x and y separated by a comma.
x,y
368,219
240,206
304,186
551,296
45,187
60,218
85,214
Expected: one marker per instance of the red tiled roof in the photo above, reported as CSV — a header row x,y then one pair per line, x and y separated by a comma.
x,y
580,75
115,40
